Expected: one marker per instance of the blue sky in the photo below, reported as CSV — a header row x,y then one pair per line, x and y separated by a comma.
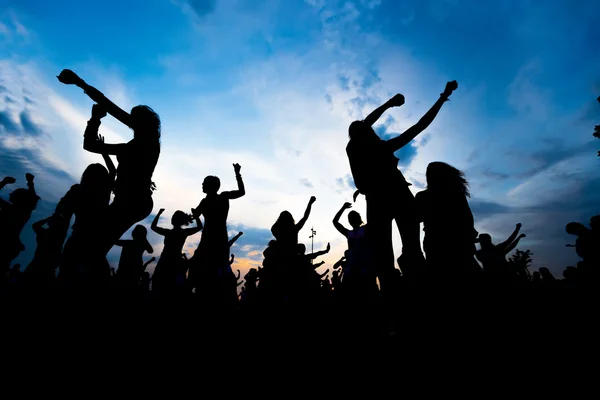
x,y
274,86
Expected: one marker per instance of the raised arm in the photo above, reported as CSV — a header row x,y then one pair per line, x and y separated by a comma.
x,y
30,185
316,254
94,143
6,181
514,244
150,261
197,228
395,101
235,238
154,226
398,142
504,245
69,77
336,219
339,263
301,223
112,170
236,194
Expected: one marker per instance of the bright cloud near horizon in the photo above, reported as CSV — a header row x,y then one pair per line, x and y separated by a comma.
x,y
274,85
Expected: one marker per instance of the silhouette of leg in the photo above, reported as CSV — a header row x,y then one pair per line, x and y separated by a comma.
x,y
379,222
122,214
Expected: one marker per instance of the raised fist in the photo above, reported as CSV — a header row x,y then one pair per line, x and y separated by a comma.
x,y
397,100
347,205
312,199
69,77
8,180
450,87
98,112
29,177
519,225
162,210
237,168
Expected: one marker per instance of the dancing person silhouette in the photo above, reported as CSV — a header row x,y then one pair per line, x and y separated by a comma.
x,y
84,260
170,262
493,257
40,274
131,262
14,214
360,276
137,159
376,175
450,234
213,250
285,229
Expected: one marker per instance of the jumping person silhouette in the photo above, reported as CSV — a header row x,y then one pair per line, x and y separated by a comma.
x,y
376,175
137,159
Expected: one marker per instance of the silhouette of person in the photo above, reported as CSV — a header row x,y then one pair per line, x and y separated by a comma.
x,y
165,274
376,175
285,229
450,234
84,260
14,214
360,275
41,271
493,257
131,262
137,159
213,250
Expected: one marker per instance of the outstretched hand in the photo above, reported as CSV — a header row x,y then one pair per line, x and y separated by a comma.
x,y
8,180
162,210
347,205
69,77
396,101
450,87
98,112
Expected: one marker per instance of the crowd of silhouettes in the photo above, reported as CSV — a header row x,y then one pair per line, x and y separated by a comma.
x,y
366,277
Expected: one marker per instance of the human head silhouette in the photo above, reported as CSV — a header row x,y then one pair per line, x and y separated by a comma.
x,y
301,249
285,217
442,176
575,228
145,123
211,185
180,218
354,219
361,131
95,176
24,199
485,239
139,232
